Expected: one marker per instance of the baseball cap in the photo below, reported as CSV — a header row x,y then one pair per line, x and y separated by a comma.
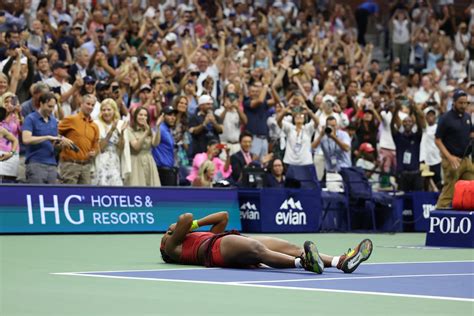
x,y
59,64
169,110
459,93
145,87
366,147
171,37
89,79
203,99
78,26
102,85
430,109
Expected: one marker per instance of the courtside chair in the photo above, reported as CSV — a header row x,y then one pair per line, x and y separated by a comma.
x,y
360,193
331,201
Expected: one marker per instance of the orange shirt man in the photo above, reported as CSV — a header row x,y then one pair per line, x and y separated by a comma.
x,y
75,164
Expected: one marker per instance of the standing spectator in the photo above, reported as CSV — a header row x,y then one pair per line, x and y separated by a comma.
x,y
298,133
401,39
113,164
429,152
76,163
164,153
335,144
407,138
142,139
12,123
256,108
80,67
146,100
40,135
453,136
362,14
31,105
204,126
43,70
5,135
232,117
58,84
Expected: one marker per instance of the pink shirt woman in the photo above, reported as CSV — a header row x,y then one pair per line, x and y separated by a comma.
x,y
222,169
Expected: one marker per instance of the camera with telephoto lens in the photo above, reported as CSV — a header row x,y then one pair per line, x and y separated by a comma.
x,y
328,130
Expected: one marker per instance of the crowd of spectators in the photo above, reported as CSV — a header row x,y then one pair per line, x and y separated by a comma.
x,y
144,92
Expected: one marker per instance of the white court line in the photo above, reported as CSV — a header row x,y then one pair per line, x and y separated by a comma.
x,y
445,298
202,268
140,270
357,278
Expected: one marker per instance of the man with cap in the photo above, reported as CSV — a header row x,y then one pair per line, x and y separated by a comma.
x,y
164,152
454,137
429,152
58,84
204,125
406,133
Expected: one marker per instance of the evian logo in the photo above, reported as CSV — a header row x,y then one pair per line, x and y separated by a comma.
x,y
249,211
291,213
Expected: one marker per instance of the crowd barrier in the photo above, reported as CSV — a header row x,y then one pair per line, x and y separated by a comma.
x,y
83,209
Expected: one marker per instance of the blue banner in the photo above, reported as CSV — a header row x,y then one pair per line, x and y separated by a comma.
x,y
451,229
71,209
280,210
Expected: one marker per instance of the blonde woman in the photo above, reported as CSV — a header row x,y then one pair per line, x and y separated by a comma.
x,y
112,165
205,175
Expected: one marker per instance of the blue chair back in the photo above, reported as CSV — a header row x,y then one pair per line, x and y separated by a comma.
x,y
356,183
305,174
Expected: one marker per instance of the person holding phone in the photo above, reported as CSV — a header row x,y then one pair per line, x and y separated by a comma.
x,y
76,162
40,135
222,170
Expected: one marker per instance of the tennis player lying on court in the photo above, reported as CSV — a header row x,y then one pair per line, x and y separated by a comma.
x,y
180,244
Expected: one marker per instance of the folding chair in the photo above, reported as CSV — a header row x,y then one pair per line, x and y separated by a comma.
x,y
331,202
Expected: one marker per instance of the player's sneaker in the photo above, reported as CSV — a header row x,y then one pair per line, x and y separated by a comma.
x,y
351,260
311,260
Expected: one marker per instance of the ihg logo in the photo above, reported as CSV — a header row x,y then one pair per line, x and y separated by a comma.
x,y
55,209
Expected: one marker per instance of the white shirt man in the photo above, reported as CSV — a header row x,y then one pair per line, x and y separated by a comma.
x,y
429,152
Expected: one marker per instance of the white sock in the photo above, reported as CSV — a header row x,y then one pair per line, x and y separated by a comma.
x,y
335,261
298,263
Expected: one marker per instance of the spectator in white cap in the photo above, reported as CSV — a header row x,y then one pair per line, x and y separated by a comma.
x,y
204,125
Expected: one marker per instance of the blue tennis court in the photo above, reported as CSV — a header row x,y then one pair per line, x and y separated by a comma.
x,y
435,280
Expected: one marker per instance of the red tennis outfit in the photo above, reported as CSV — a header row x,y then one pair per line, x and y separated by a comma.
x,y
193,241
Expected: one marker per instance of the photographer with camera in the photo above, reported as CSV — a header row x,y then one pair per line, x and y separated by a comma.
x,y
336,146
